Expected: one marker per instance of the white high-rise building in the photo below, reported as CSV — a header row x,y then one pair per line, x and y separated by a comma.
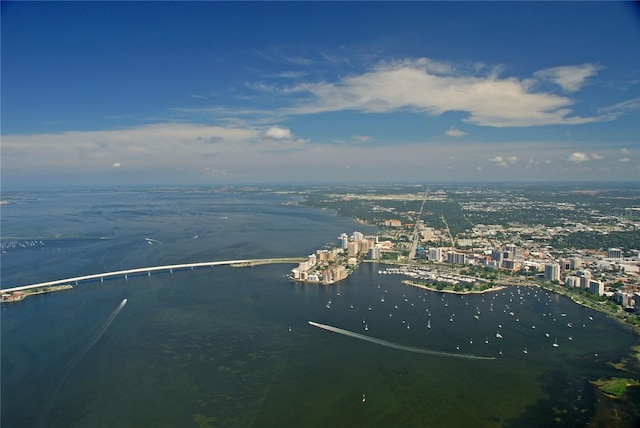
x,y
552,272
435,254
343,239
357,236
596,287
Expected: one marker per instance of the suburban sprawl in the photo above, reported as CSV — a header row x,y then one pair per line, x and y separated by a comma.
x,y
579,240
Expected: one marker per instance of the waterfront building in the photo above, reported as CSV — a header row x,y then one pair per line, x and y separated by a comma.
x,y
352,249
572,281
552,272
435,254
623,298
393,223
585,277
357,236
343,240
375,253
596,287
457,258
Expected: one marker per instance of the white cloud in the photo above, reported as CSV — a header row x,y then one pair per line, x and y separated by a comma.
x,y
625,151
433,88
116,165
278,133
454,132
504,161
570,78
596,156
578,157
624,160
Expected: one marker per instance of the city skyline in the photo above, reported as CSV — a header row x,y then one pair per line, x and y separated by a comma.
x,y
223,93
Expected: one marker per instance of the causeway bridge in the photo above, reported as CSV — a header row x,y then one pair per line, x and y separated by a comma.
x,y
148,270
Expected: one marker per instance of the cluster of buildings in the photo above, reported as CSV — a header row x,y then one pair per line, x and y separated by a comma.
x,y
329,266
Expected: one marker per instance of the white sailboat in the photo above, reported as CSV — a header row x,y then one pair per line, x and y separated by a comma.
x,y
429,323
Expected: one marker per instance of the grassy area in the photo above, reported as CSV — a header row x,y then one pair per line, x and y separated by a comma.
x,y
615,387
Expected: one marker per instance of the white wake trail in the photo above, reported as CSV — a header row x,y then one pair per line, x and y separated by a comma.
x,y
397,346
77,358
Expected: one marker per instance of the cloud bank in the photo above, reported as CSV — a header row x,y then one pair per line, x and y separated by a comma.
x,y
433,88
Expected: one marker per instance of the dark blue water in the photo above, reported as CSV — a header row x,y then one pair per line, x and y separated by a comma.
x,y
232,346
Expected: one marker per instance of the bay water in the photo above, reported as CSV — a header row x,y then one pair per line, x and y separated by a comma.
x,y
228,346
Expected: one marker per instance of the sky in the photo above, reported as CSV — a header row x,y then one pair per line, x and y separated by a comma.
x,y
213,93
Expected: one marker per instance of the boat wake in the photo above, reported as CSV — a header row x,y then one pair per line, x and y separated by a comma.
x,y
397,346
77,358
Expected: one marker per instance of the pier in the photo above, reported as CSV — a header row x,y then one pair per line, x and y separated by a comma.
x,y
148,270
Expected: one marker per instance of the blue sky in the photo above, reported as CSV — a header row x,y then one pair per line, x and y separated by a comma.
x,y
104,93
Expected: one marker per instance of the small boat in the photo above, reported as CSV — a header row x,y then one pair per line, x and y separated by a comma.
x,y
498,335
364,398
366,327
429,324
555,343
408,326
524,351
569,325
500,352
486,340
457,347
369,307
476,317
289,328
570,338
546,334
533,326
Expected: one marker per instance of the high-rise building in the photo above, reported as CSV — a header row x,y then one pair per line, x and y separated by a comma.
x,y
357,236
585,277
352,249
552,272
375,253
435,254
457,258
343,240
596,287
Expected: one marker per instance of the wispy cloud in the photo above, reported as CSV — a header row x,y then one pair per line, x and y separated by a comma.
x,y
571,78
195,152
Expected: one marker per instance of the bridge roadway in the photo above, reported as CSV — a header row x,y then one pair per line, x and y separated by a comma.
x,y
148,270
